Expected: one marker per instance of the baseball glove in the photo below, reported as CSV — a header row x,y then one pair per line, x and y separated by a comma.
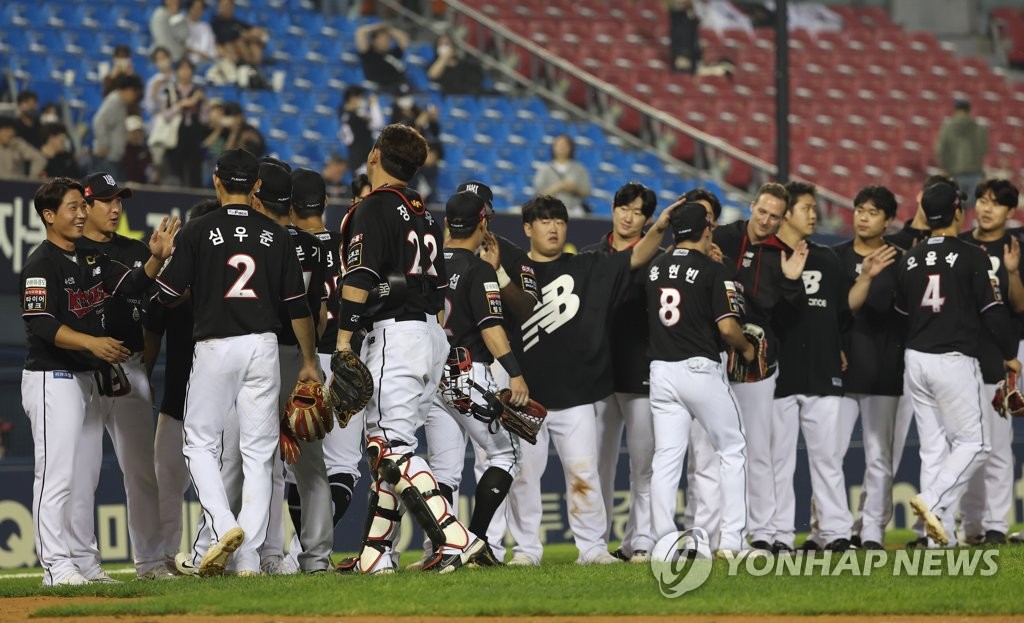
x,y
522,421
111,381
1008,399
350,387
290,449
741,371
307,414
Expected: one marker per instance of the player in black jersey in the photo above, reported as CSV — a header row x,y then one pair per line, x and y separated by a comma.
x,y
693,306
241,268
917,229
566,356
986,502
390,238
873,344
64,291
767,274
946,290
629,408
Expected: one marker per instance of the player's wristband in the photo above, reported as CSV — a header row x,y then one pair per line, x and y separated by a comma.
x,y
508,361
350,315
503,278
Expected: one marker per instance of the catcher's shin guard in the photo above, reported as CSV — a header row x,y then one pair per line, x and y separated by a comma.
x,y
380,529
412,480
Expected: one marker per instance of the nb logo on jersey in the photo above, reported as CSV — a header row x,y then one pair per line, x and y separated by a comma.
x,y
559,305
812,281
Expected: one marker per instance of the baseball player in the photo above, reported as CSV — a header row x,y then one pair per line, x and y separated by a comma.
x,y
127,417
873,344
768,274
917,229
692,307
387,235
168,462
629,407
68,363
989,494
946,290
241,267
567,328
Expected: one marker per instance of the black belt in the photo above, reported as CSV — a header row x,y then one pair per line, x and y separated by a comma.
x,y
409,317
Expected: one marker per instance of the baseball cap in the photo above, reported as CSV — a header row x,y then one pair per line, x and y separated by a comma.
x,y
102,186
482,190
688,219
308,190
939,202
239,166
465,210
277,183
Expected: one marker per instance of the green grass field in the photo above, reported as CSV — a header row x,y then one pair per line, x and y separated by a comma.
x,y
559,587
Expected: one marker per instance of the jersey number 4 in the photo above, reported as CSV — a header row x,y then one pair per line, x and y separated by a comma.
x,y
668,312
430,245
932,297
246,264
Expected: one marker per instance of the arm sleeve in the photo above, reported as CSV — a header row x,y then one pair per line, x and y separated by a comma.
x,y
119,279
611,273
293,288
485,298
40,297
987,293
177,275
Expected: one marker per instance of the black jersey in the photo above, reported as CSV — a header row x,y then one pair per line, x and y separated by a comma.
x,y
62,288
330,243
175,323
314,275
907,237
810,335
759,276
687,294
946,289
873,340
629,333
473,302
517,266
241,266
989,357
391,232
125,312
566,354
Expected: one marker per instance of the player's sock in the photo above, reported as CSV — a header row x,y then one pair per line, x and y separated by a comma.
x,y
448,492
490,493
341,493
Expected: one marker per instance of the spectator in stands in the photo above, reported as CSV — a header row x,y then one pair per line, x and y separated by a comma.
x,y
60,162
138,161
169,28
234,133
108,124
49,113
361,120
184,100
17,157
454,73
564,177
121,65
407,111
381,49
334,173
156,83
28,124
683,29
961,147
201,44
241,42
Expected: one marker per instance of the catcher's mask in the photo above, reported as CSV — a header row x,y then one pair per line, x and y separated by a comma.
x,y
457,386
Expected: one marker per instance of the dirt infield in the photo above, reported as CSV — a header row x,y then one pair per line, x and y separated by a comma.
x,y
20,609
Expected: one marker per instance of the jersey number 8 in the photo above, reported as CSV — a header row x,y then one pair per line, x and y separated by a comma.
x,y
669,313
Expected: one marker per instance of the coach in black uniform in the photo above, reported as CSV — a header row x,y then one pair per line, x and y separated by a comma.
x,y
629,407
946,289
63,299
766,275
241,267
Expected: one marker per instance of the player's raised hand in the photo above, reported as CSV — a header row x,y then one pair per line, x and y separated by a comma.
x,y
161,243
489,251
793,263
110,350
662,223
877,261
520,392
1011,255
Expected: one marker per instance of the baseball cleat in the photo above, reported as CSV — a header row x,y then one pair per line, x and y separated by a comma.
x,y
183,565
810,545
765,545
447,563
621,554
217,556
778,547
1016,538
158,573
918,542
994,537
522,560
485,558
602,558
932,523
856,542
839,545
640,557
102,578
73,578
873,545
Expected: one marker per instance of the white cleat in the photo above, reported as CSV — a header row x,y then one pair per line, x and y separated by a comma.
x,y
158,573
184,566
601,558
73,578
522,560
217,556
932,523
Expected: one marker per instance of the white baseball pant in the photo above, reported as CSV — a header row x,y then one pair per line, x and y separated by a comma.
x,y
755,400
632,413
703,470
947,388
989,495
172,481
498,530
682,391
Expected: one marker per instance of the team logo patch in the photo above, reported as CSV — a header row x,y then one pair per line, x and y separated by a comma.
x,y
62,374
35,294
529,284
81,303
355,256
735,298
491,286
494,303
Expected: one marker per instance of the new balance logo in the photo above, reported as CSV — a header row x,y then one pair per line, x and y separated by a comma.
x,y
559,305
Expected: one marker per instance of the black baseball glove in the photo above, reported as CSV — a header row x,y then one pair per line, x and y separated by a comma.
x,y
350,387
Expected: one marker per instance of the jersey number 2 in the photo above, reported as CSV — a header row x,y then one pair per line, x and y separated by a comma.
x,y
247,265
431,244
932,297
669,311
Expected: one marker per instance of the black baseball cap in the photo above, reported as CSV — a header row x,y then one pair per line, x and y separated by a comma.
x,y
104,187
277,184
481,189
239,166
465,210
308,190
689,220
940,201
